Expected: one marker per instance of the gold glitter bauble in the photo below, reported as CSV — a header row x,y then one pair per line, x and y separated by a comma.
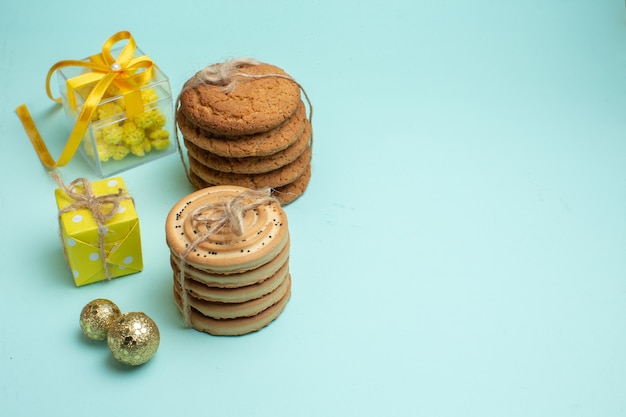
x,y
133,338
97,316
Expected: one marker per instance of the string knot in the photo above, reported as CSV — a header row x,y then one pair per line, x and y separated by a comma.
x,y
222,74
235,217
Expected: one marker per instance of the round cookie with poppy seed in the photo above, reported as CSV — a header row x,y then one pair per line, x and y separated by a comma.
x,y
188,231
252,164
238,326
276,178
218,310
260,144
232,281
232,295
257,102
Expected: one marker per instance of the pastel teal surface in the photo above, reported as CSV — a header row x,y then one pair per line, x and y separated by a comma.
x,y
460,251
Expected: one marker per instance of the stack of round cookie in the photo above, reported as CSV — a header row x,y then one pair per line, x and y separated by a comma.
x,y
244,123
231,276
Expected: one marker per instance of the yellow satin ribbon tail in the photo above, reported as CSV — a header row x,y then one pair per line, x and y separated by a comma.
x,y
78,132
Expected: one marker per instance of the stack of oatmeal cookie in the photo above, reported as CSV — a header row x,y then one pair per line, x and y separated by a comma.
x,y
244,123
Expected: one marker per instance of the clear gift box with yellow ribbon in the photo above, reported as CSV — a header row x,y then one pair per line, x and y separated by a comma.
x,y
119,107
99,229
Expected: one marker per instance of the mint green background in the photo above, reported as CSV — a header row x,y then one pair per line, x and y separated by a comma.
x,y
460,251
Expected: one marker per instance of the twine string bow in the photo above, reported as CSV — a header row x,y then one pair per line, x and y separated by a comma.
x,y
103,208
217,216
225,75
221,74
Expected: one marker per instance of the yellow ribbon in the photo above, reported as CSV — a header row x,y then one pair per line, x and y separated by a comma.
x,y
127,72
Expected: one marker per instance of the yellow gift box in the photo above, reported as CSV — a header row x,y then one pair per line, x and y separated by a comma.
x,y
118,105
99,229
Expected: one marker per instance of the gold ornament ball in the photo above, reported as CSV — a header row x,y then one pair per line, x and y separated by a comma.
x,y
133,338
97,316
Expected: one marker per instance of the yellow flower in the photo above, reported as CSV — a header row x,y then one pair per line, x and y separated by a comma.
x,y
108,109
152,119
147,146
112,134
137,150
119,152
148,95
105,151
158,134
132,134
160,144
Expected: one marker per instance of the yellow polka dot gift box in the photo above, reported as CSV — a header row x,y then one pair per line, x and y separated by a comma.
x,y
99,228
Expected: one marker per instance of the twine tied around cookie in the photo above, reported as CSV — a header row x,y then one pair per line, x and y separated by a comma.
x,y
225,76
217,216
102,208
220,74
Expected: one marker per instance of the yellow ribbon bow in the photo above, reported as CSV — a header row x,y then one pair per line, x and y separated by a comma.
x,y
127,72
